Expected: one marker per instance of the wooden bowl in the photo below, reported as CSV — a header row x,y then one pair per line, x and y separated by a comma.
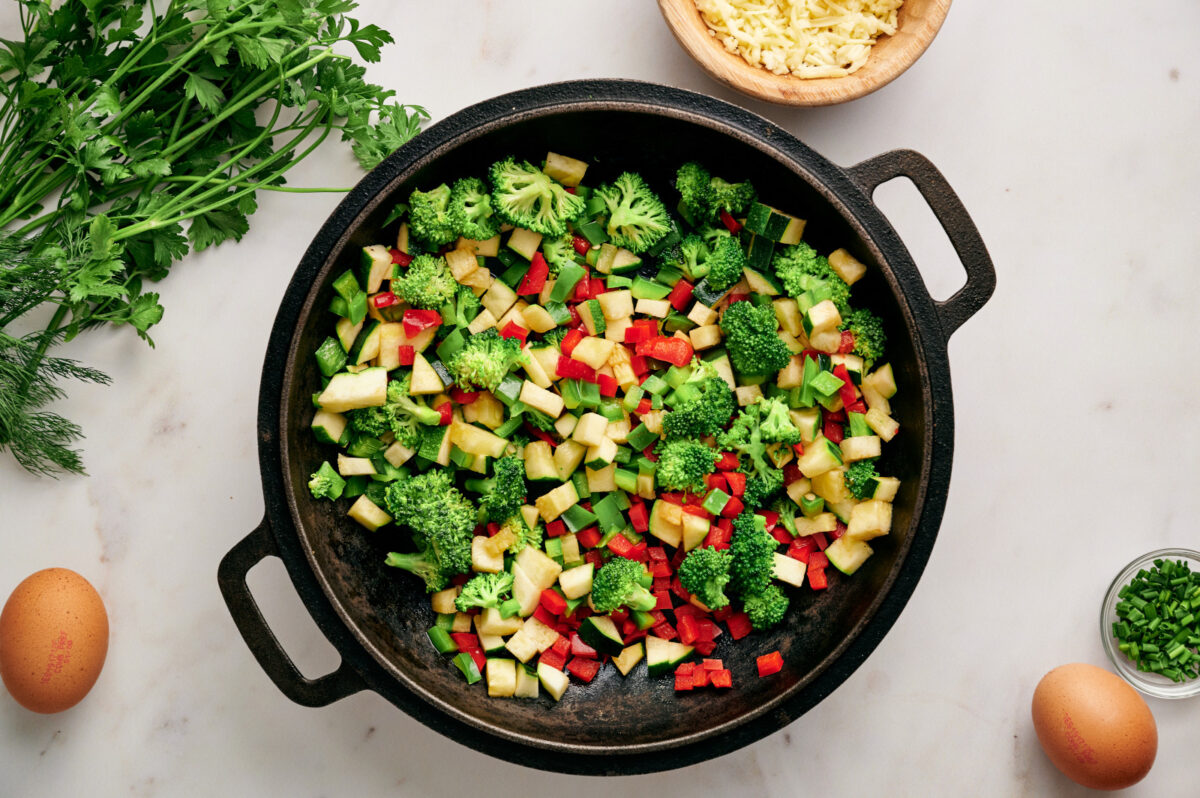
x,y
918,22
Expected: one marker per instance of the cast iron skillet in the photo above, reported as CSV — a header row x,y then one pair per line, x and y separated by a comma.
x,y
377,618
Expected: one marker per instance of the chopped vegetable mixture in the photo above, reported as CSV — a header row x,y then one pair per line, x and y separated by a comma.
x,y
605,423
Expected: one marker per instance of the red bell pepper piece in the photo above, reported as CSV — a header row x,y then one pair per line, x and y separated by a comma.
x,y
638,552
581,244
683,681
638,364
556,528
535,278
727,462
541,435
562,646
400,258
644,407
737,483
839,531
681,295
770,516
847,345
859,406
818,580
554,603
657,553
582,649
800,549
733,508
384,299
407,355
584,669
589,537
847,389
664,631
415,320
717,538
639,517
478,657
675,351
463,397
664,601
699,677
608,385
553,659
686,624
574,369
721,678
834,431
447,411
583,288
731,224
817,561
838,415
712,665
738,297
739,625
596,287
770,663
781,535
514,330
820,540
672,498
660,569
493,529
570,340
620,545
791,473
716,482
465,640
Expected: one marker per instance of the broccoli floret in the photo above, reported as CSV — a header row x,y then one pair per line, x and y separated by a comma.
x,y
752,339
733,198
761,486
694,252
787,515
765,421
802,270
683,463
867,329
326,483
713,235
429,216
766,608
704,573
705,407
504,493
426,283
775,421
525,196
466,306
637,219
752,550
424,563
702,197
538,419
485,359
860,478
725,263
523,534
400,413
554,337
484,590
621,582
693,182
471,211
558,251
434,508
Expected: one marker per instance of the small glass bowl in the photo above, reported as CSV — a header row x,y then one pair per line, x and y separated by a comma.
x,y
1149,683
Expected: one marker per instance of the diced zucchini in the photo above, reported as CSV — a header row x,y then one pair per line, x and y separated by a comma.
x,y
473,440
789,570
823,455
367,513
870,519
766,221
576,582
593,351
328,427
599,632
847,554
565,169
628,658
541,399
554,503
663,656
861,447
345,391
555,681
846,266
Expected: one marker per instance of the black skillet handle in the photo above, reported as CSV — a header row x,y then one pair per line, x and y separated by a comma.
x,y
949,210
231,575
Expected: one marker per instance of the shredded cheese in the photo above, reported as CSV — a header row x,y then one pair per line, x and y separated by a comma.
x,y
806,38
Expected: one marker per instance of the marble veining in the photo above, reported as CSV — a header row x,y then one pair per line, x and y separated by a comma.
x,y
1072,143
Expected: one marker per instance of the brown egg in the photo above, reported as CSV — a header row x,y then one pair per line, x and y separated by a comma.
x,y
53,640
1094,727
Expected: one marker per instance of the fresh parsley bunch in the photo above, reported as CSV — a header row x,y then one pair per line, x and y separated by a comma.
x,y
132,132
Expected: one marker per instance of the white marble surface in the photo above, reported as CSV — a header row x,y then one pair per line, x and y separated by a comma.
x,y
1070,131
